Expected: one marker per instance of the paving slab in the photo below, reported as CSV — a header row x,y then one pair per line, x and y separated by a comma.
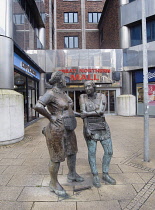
x,y
18,170
2,169
26,180
99,205
37,194
11,161
146,176
4,179
117,192
15,205
124,178
138,187
9,193
54,206
130,169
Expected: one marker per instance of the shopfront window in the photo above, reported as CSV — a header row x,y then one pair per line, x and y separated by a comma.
x,y
29,89
111,100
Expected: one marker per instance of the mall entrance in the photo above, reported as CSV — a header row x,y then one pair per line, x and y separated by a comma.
x,y
110,95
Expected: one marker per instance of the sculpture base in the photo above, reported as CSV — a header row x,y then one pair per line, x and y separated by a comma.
x,y
12,117
126,105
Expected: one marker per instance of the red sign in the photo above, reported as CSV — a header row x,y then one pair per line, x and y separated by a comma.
x,y
75,73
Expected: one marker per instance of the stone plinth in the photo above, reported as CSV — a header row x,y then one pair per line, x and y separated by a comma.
x,y
11,117
126,105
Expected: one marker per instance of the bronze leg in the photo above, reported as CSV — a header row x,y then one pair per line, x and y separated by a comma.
x,y
72,175
54,184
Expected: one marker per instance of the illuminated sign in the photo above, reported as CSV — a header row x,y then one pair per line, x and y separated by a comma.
x,y
24,67
82,74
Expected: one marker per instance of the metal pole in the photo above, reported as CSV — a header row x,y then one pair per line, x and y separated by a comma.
x,y
145,86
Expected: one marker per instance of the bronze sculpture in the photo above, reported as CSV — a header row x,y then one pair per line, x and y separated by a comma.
x,y
92,106
59,133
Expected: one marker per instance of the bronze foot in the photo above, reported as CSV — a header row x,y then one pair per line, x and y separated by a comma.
x,y
74,178
58,190
96,181
108,179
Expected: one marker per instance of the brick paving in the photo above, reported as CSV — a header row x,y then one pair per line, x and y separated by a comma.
x,y
24,176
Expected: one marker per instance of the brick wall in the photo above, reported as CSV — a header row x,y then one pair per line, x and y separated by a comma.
x,y
66,6
47,23
92,38
93,7
110,26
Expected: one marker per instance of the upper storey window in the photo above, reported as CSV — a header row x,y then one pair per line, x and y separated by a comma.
x,y
94,17
71,42
136,33
19,18
70,17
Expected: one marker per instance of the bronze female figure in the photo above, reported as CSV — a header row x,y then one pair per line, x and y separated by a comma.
x,y
92,106
59,133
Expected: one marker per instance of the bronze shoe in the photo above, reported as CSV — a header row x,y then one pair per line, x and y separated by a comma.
x,y
108,179
60,192
74,178
96,181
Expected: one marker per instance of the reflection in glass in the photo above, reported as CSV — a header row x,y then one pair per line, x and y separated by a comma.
x,y
29,89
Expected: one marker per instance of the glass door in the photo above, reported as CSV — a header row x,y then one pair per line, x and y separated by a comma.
x,y
32,99
111,100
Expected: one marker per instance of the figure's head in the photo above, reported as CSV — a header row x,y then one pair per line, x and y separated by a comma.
x,y
58,78
90,87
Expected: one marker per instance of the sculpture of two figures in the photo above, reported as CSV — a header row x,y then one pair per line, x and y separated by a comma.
x,y
60,136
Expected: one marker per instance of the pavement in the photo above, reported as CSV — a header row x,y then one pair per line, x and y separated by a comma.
x,y
24,175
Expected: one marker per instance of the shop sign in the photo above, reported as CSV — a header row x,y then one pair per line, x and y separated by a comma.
x,y
83,74
98,75
24,67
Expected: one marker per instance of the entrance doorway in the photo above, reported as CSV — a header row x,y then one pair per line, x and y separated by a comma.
x,y
110,95
29,88
111,101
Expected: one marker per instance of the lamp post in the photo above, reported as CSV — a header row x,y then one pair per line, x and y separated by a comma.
x,y
145,86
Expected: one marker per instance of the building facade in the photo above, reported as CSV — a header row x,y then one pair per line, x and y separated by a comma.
x,y
73,24
129,27
21,29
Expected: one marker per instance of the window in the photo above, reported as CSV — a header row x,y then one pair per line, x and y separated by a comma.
x,y
150,31
131,1
70,17
71,42
94,17
43,16
136,33
19,19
